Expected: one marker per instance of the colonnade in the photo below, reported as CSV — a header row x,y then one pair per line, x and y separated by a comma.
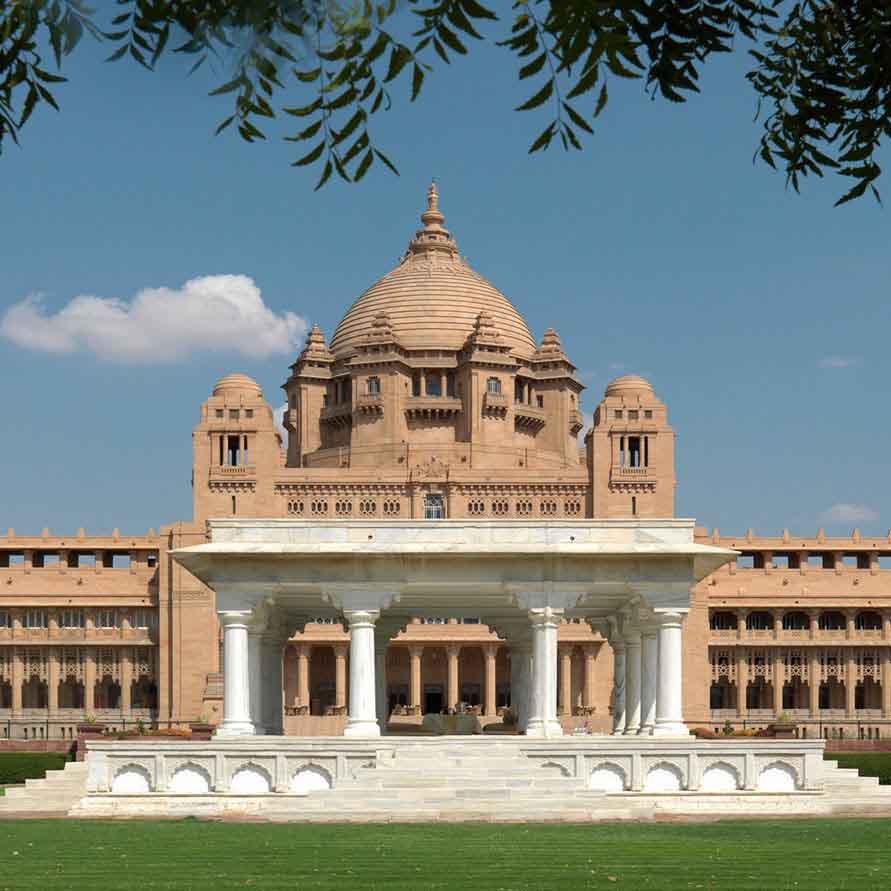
x,y
647,696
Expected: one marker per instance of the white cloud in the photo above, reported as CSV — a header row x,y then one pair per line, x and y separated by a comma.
x,y
212,313
838,362
849,513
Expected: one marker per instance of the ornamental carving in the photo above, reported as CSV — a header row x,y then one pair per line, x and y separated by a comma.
x,y
72,664
432,469
34,664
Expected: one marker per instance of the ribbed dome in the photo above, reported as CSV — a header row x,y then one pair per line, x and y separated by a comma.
x,y
432,298
237,383
628,385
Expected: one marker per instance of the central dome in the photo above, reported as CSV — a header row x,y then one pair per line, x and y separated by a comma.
x,y
432,298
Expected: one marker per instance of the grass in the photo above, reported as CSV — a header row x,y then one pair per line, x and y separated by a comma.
x,y
190,854
16,767
870,764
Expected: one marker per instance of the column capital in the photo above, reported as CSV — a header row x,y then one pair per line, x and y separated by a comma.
x,y
235,618
340,650
416,651
546,615
453,650
361,618
490,650
664,618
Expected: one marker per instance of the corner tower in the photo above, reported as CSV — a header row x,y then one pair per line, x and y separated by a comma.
x,y
630,452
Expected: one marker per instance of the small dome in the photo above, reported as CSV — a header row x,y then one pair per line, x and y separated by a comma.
x,y
237,383
629,385
432,299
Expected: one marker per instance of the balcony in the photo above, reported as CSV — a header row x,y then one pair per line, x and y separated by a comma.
x,y
529,417
576,421
494,404
432,407
631,475
370,403
337,415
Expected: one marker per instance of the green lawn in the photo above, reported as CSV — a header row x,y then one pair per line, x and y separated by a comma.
x,y
870,764
803,854
16,767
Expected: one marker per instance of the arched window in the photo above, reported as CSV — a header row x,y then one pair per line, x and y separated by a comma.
x,y
795,621
832,620
868,620
760,620
722,621
373,386
493,385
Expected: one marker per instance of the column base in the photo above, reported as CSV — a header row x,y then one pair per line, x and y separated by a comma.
x,y
646,730
631,731
678,728
235,728
544,729
361,728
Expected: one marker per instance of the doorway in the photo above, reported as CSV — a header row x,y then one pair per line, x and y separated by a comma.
x,y
433,699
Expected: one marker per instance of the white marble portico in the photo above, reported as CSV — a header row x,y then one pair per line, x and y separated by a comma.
x,y
629,578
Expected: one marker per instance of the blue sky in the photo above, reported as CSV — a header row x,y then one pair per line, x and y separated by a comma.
x,y
760,316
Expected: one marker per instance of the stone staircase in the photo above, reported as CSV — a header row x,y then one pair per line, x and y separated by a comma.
x,y
52,796
853,795
457,781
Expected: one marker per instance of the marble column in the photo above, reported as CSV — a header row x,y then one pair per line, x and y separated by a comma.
x,y
543,718
452,693
236,675
490,654
255,678
632,682
272,659
649,662
886,684
520,673
565,680
362,716
669,694
52,680
590,677
381,702
415,654
340,691
618,646
303,655
742,683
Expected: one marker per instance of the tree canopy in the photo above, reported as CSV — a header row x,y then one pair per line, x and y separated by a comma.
x,y
821,69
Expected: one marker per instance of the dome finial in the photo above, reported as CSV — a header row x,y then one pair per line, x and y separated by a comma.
x,y
432,218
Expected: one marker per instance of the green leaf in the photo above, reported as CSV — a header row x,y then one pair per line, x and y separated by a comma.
x,y
223,124
118,53
382,157
308,77
304,110
228,87
576,118
534,66
601,100
477,11
543,140
364,164
417,79
326,175
308,158
450,39
539,98
399,58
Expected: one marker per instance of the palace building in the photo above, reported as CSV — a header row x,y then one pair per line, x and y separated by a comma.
x,y
432,402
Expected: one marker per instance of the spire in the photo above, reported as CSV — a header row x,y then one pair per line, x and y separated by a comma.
x,y
381,333
316,349
433,237
550,344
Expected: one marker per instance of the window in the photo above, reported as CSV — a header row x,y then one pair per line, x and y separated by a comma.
x,y
648,414
618,414
796,621
116,560
34,618
633,414
218,413
151,561
433,383
326,400
233,414
44,558
450,385
760,620
84,560
832,620
373,386
106,618
470,620
248,412
4,619
493,386
539,401
869,620
71,618
416,384
434,509
433,620
144,618
633,505
723,621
